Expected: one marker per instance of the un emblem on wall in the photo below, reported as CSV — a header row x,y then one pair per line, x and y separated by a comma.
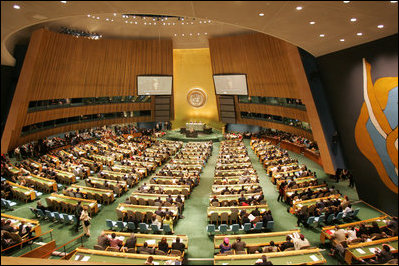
x,y
196,97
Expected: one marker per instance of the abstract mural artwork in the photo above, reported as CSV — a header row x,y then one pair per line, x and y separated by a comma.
x,y
376,131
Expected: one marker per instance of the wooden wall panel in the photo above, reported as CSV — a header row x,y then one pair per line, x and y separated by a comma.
x,y
62,66
47,115
274,69
263,58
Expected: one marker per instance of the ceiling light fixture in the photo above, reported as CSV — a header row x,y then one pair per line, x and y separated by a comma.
x,y
345,2
322,35
298,8
380,26
261,14
312,23
353,19
341,40
16,6
359,34
64,2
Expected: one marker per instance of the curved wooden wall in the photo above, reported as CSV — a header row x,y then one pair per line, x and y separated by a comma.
x,y
62,66
274,69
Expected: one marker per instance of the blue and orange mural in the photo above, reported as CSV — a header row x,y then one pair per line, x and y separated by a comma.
x,y
376,131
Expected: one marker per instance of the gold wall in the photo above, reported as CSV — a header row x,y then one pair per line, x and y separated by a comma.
x,y
192,69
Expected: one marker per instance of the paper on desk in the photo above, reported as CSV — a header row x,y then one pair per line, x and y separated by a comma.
x,y
372,250
151,242
121,238
225,263
361,251
156,262
314,258
85,258
251,217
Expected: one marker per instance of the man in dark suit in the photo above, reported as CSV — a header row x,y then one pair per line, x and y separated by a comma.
x,y
178,246
103,240
131,241
146,249
24,230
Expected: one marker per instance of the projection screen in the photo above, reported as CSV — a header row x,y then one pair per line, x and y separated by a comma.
x,y
154,85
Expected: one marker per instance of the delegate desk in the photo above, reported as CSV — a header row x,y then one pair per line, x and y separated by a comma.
x,y
65,176
101,182
16,221
91,190
290,192
235,197
295,257
39,181
150,196
168,189
300,203
129,169
35,164
124,208
113,175
262,209
150,166
256,240
366,250
103,159
187,161
52,158
328,231
217,189
25,193
299,180
237,172
58,198
218,180
12,170
313,155
152,240
195,126
95,256
231,166
90,163
287,145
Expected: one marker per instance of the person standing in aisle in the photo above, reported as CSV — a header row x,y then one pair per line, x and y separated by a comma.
x,y
85,218
78,212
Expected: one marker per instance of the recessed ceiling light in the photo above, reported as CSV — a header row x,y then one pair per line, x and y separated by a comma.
x,y
322,35
261,14
353,19
380,26
312,23
359,34
16,6
345,2
298,8
341,40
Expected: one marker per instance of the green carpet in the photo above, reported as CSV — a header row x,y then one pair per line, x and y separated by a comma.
x,y
195,221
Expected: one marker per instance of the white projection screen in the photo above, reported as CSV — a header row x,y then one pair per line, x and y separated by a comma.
x,y
154,85
235,84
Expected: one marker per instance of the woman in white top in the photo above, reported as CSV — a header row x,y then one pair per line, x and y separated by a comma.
x,y
85,218
351,234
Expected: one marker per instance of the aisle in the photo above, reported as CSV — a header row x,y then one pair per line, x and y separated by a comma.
x,y
195,212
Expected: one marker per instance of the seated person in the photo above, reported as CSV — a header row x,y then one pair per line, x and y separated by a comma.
x,y
40,206
145,249
131,241
255,212
149,261
393,226
287,244
160,212
263,261
225,246
348,210
7,226
271,248
351,234
339,234
114,242
103,240
163,245
239,245
154,221
300,242
178,245
214,199
384,255
25,230
375,229
168,220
